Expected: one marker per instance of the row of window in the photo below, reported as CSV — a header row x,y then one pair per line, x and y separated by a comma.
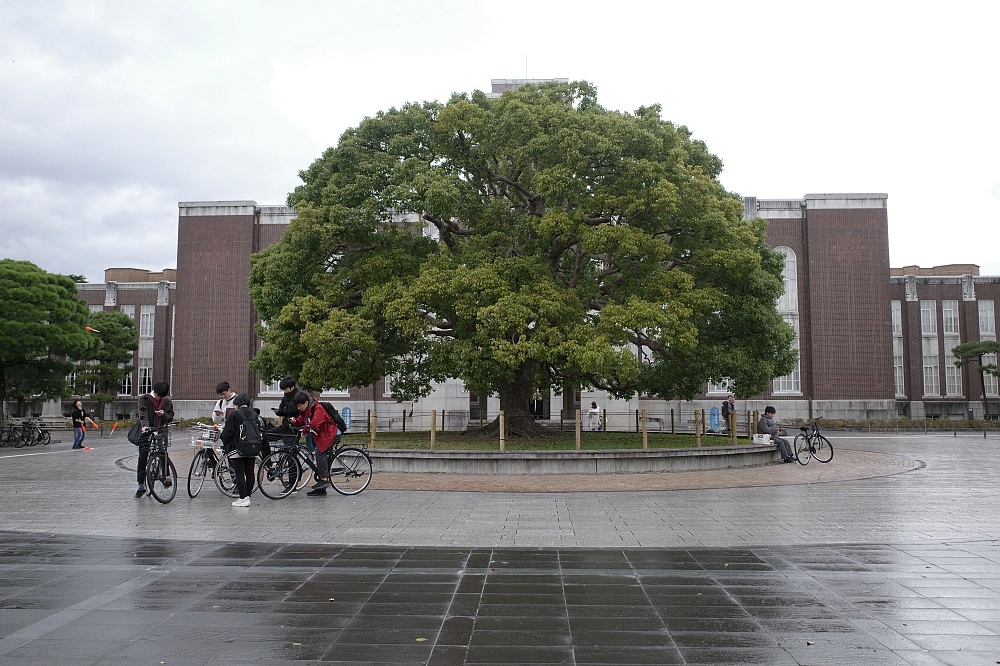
x,y
143,360
930,345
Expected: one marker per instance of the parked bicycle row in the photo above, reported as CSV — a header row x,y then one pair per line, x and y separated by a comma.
x,y
305,446
26,432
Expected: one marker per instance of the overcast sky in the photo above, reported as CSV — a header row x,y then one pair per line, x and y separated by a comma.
x,y
111,113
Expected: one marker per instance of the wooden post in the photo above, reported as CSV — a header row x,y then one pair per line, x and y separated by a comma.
x,y
369,424
697,428
604,421
732,425
442,420
561,414
672,430
645,431
637,420
703,424
503,434
434,426
372,427
753,423
404,419
578,430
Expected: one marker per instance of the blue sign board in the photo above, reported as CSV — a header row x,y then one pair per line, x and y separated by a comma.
x,y
346,414
713,418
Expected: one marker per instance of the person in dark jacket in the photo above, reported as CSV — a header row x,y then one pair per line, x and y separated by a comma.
x,y
767,426
242,465
155,410
287,410
80,419
728,407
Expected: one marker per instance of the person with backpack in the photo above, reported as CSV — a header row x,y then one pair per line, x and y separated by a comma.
x,y
320,430
242,433
155,410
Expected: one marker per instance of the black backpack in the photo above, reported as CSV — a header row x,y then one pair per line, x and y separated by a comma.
x,y
248,442
335,415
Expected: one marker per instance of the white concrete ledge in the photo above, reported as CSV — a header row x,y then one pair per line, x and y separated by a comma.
x,y
626,461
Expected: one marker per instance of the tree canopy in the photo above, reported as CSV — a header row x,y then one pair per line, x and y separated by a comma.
x,y
42,323
109,356
568,245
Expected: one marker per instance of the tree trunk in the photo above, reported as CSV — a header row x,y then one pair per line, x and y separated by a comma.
x,y
515,400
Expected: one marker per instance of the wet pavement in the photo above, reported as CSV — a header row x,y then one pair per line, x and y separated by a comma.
x,y
83,601
902,569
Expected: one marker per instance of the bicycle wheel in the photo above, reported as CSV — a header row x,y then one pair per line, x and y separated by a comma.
x,y
161,478
46,437
801,448
822,449
196,475
350,471
305,472
225,476
278,475
21,439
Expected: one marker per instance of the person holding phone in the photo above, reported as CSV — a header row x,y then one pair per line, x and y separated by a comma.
x,y
224,407
155,410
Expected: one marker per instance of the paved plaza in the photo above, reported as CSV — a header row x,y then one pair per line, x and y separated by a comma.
x,y
899,568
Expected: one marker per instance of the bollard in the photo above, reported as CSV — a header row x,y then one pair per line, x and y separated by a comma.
x,y
604,421
645,431
732,426
372,427
434,425
561,414
672,430
697,428
578,430
925,425
404,420
503,434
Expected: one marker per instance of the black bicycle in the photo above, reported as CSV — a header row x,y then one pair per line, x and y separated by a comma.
x,y
280,472
810,443
210,461
29,433
161,475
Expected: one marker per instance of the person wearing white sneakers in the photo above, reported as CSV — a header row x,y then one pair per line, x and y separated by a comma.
x,y
242,433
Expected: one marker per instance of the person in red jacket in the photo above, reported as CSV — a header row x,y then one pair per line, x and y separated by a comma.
x,y
320,431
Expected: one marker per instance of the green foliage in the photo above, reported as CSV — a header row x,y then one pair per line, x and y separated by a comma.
x,y
568,235
113,343
41,322
967,351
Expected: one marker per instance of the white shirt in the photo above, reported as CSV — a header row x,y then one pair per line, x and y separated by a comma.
x,y
225,406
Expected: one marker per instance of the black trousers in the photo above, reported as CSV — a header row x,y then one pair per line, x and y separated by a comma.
x,y
140,470
243,468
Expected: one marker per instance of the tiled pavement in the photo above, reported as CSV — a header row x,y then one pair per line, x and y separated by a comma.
x,y
903,569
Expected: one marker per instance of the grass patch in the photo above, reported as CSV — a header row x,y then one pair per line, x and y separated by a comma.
x,y
565,441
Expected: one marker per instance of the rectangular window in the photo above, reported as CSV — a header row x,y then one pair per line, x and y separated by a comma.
x,y
721,388
271,387
126,387
952,373
129,310
147,314
897,318
932,379
790,383
990,381
928,317
145,365
96,308
987,322
949,317
897,365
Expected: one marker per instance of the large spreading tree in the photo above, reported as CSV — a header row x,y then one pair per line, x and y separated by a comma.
x,y
569,245
42,323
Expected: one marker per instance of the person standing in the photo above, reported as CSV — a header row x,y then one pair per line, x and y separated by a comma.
x,y
728,408
320,430
243,465
224,406
80,420
594,416
767,426
155,410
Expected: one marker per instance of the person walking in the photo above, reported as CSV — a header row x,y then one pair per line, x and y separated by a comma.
x,y
594,416
80,420
155,410
767,426
243,465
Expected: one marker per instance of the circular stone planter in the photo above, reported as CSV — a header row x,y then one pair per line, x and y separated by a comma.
x,y
609,461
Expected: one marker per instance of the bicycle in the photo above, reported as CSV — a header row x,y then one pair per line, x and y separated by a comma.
x,y
208,461
810,443
280,472
30,433
160,468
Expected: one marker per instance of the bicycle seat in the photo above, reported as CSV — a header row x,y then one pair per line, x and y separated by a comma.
x,y
804,428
